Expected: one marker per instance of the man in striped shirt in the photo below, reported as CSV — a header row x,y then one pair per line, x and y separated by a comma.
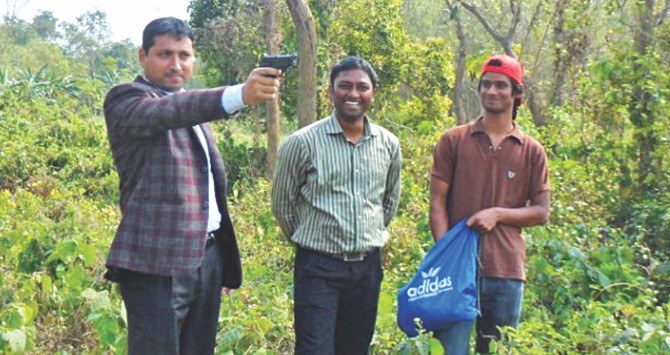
x,y
335,190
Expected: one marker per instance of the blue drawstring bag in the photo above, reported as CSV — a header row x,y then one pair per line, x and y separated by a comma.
x,y
444,289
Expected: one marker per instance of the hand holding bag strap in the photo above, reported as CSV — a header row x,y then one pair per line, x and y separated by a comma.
x,y
444,288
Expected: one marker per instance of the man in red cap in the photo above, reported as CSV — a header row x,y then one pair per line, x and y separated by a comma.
x,y
496,177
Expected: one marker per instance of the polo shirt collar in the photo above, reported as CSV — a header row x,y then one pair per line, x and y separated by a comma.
x,y
333,127
477,126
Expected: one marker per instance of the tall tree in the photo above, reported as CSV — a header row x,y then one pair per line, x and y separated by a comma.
x,y
87,39
46,25
229,36
458,94
649,17
273,39
572,36
13,6
304,23
94,23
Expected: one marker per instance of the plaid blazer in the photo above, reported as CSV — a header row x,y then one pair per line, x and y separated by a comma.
x,y
163,180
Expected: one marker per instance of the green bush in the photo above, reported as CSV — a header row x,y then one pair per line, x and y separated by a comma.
x,y
598,275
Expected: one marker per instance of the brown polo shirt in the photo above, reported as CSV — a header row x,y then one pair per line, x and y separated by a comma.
x,y
481,176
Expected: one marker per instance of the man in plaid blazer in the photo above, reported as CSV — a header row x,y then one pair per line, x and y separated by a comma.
x,y
175,248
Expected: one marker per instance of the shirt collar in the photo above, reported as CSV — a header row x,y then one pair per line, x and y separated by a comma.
x,y
166,92
333,126
477,126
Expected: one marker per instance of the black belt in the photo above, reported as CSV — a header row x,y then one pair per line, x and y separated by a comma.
x,y
209,240
352,256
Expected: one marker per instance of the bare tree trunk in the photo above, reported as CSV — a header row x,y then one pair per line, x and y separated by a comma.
x,y
534,104
12,7
458,95
560,62
273,39
642,116
304,23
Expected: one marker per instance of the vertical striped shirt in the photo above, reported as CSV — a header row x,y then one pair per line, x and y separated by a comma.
x,y
334,196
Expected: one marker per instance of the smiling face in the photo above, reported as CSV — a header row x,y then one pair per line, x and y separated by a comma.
x,y
496,93
169,62
351,94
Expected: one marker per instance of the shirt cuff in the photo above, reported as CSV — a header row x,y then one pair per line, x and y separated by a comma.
x,y
231,100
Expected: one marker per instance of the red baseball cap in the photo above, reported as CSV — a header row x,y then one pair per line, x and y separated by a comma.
x,y
506,65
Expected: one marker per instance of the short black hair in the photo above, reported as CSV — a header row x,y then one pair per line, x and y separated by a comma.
x,y
351,63
171,26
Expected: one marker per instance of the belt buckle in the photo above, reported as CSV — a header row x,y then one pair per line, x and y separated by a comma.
x,y
360,256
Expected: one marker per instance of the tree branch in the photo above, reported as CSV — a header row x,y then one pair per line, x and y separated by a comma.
x,y
516,18
663,13
475,11
505,41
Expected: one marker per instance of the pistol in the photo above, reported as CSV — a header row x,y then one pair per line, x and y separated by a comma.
x,y
279,61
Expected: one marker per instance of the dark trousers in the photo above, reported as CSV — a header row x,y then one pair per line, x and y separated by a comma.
x,y
174,315
335,303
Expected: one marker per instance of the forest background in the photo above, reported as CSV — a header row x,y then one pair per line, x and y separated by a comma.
x,y
597,97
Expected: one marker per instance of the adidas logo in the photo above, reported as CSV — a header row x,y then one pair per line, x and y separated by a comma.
x,y
431,286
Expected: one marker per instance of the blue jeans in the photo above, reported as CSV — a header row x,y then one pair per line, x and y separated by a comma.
x,y
499,306
335,303
455,339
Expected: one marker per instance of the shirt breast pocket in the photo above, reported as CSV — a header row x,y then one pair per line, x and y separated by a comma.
x,y
515,186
